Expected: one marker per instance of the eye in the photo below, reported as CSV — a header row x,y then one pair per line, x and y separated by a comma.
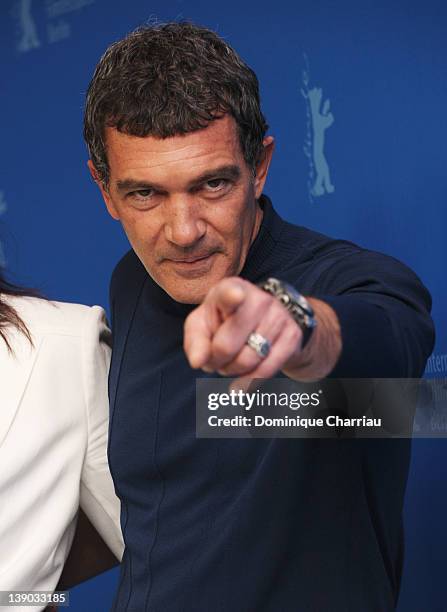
x,y
142,194
216,184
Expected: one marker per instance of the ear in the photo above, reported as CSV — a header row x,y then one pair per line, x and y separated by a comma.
x,y
263,165
104,191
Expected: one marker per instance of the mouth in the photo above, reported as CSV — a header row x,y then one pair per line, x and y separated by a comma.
x,y
191,260
196,265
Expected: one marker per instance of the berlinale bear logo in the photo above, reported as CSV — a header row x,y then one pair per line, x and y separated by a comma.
x,y
319,119
28,39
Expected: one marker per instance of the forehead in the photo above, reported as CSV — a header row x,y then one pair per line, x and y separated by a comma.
x,y
216,144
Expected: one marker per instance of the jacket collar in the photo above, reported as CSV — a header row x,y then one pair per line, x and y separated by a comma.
x,y
15,371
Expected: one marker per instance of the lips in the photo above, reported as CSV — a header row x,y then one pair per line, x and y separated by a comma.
x,y
192,267
191,259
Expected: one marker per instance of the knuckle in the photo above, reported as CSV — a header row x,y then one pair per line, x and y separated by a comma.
x,y
294,334
262,302
248,360
276,310
222,346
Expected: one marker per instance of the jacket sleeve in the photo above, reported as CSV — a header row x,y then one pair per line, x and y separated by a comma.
x,y
384,314
98,498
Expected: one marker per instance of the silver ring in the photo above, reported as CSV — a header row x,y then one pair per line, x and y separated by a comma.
x,y
259,344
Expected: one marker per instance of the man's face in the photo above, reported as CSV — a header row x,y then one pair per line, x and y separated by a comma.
x,y
188,204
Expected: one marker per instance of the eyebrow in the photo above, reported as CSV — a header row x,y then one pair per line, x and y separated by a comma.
x,y
229,172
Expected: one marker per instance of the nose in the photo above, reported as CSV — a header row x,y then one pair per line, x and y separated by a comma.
x,y
183,223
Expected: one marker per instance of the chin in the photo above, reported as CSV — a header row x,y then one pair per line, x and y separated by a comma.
x,y
191,287
186,293
187,297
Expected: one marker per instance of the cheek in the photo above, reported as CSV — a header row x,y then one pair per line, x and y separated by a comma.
x,y
234,218
229,232
140,230
240,225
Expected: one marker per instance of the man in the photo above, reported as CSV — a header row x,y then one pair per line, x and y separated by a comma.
x,y
178,149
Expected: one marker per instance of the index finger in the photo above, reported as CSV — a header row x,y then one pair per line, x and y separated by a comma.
x,y
227,296
197,338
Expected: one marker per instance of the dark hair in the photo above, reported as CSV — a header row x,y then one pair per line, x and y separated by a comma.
x,y
8,316
170,79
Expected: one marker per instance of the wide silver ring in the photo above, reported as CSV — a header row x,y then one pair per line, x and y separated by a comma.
x,y
259,344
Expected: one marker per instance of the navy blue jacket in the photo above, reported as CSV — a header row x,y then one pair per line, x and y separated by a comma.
x,y
261,525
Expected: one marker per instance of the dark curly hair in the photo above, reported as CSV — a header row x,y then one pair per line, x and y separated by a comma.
x,y
8,316
169,79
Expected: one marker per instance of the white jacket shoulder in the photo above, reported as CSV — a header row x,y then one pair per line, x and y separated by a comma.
x,y
51,317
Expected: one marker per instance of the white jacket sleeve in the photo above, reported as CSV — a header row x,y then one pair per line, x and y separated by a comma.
x,y
97,494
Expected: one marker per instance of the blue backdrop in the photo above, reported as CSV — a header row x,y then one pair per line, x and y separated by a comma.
x,y
355,93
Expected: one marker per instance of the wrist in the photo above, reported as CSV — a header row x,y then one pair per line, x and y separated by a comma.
x,y
320,355
297,305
